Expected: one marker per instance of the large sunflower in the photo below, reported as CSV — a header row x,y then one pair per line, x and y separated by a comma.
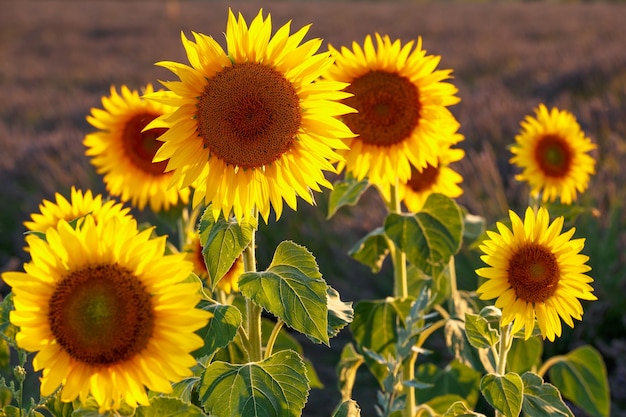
x,y
122,150
552,152
252,128
402,103
535,271
439,178
106,311
79,204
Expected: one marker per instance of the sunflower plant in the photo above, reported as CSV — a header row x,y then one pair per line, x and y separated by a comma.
x,y
405,149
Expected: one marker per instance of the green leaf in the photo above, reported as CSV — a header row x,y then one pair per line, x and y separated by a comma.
x,y
456,379
348,408
542,399
168,407
371,250
473,226
345,192
479,333
292,288
183,389
581,377
504,393
340,313
6,327
459,409
275,387
348,365
221,328
222,242
430,237
457,342
524,354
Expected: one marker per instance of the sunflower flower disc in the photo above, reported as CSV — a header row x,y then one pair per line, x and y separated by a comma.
x,y
552,152
251,128
535,273
122,150
402,104
107,313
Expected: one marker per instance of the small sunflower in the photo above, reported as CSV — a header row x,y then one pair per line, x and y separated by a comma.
x,y
552,152
229,282
402,108
439,178
107,312
122,150
535,271
252,128
79,204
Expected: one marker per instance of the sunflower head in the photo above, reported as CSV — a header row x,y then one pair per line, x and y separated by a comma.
x,y
536,273
402,102
79,205
553,153
106,311
122,150
252,125
439,178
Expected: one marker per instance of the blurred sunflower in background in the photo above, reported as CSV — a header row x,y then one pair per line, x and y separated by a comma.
x,y
79,205
439,178
106,312
402,102
535,272
252,126
122,151
553,153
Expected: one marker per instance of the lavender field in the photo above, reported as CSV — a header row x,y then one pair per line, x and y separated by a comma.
x,y
58,58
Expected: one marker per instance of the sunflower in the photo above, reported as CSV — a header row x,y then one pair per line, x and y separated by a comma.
x,y
79,204
122,150
229,283
439,178
552,152
402,103
252,128
106,311
535,271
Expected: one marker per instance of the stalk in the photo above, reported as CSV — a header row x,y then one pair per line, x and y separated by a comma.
x,y
253,311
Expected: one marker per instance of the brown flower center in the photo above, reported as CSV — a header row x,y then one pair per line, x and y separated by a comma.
x,y
554,156
101,315
423,181
388,108
248,115
140,146
533,273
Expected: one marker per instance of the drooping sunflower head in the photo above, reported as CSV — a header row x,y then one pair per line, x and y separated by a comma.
x,y
535,272
439,178
251,127
106,312
229,283
79,204
553,153
122,150
402,108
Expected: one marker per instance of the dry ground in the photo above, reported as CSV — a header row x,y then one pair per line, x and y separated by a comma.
x,y
57,58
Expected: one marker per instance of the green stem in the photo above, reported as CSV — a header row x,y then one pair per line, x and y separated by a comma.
x,y
253,311
270,342
453,286
506,340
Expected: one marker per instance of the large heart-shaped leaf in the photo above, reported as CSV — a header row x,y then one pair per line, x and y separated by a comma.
x,y
542,399
505,393
220,329
292,288
275,387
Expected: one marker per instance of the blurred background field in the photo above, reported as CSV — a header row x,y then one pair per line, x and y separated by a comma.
x,y
58,58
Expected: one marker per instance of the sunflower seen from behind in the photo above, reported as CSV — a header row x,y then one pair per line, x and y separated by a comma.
x,y
553,153
251,128
535,273
106,312
122,150
402,103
